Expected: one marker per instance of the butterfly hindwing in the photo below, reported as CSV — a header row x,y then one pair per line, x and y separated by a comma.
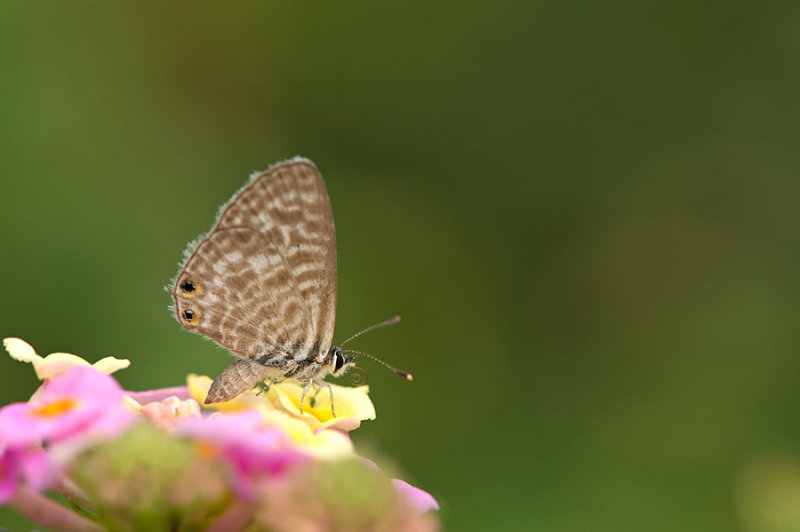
x,y
262,282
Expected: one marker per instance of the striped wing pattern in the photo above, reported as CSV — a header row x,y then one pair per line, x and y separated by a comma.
x,y
262,282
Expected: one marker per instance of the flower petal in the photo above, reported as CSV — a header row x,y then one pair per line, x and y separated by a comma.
x,y
353,405
82,403
420,500
9,475
38,470
56,364
343,424
159,394
17,431
33,466
321,444
242,440
165,413
109,365
132,404
20,350
327,445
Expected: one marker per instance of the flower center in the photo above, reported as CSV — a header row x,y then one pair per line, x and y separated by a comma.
x,y
55,408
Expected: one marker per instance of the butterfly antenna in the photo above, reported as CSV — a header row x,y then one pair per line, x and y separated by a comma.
x,y
406,375
390,321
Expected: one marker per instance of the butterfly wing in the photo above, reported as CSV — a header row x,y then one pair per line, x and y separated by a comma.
x,y
262,282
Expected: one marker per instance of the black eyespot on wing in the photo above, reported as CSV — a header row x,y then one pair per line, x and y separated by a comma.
x,y
188,287
189,315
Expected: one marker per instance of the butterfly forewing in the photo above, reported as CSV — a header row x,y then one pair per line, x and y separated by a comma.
x,y
262,282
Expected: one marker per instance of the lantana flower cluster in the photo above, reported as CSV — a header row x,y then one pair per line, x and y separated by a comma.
x,y
155,460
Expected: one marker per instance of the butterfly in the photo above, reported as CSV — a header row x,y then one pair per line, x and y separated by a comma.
x,y
262,284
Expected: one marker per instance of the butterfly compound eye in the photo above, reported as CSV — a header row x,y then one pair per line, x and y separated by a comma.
x,y
338,359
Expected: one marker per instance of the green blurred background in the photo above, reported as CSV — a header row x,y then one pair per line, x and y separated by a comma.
x,y
586,213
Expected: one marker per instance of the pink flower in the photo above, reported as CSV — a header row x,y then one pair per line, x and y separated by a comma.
x,y
166,412
239,439
150,396
420,500
258,462
81,403
31,465
9,474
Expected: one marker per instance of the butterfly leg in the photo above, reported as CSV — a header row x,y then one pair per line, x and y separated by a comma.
x,y
268,386
305,391
330,391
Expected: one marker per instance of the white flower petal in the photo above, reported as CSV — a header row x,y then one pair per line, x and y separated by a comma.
x,y
109,365
57,364
20,350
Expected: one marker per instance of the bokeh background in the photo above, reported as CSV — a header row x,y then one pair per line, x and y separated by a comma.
x,y
588,215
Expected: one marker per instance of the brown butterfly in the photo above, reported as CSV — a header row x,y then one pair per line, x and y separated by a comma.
x,y
262,284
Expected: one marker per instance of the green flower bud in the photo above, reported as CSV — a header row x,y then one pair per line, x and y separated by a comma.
x,y
149,480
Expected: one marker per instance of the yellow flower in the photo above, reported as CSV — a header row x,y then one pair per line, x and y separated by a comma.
x,y
321,444
58,363
353,405
312,440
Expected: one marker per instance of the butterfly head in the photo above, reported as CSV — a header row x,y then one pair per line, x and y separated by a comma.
x,y
339,362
